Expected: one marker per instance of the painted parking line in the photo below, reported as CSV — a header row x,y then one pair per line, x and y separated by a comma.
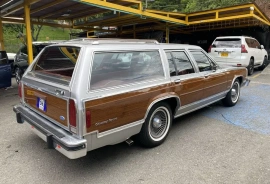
x,y
251,111
255,76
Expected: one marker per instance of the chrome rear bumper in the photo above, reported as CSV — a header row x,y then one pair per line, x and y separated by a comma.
x,y
55,136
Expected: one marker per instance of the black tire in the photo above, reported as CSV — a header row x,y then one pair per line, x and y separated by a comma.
x,y
156,126
251,67
18,74
233,95
265,63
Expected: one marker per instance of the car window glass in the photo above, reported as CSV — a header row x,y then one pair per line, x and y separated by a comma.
x,y
248,42
257,44
252,43
203,62
182,62
227,43
171,64
110,69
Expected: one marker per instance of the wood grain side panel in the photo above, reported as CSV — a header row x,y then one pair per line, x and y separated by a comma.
x,y
56,107
190,90
215,83
114,111
232,74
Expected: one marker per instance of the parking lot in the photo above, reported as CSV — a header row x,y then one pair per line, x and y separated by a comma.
x,y
216,144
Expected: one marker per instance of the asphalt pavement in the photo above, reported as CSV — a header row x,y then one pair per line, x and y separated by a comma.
x,y
216,144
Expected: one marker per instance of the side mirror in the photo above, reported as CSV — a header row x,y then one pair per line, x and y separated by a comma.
x,y
214,68
262,47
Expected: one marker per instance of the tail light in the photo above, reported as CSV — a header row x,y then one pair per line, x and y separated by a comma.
x,y
243,49
72,116
20,90
209,49
88,119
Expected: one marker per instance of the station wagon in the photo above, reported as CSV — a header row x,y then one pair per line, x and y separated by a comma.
x,y
88,93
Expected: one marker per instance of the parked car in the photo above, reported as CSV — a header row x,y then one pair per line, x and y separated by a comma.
x,y
239,51
77,96
21,58
5,70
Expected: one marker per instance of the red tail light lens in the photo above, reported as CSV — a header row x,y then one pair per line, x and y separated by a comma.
x,y
20,90
88,119
243,49
209,49
72,115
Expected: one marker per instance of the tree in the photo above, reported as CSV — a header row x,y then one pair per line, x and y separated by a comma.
x,y
35,30
20,28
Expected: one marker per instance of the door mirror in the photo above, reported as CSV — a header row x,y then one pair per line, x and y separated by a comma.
x,y
262,47
214,67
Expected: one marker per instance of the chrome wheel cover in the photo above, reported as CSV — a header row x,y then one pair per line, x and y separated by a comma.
x,y
159,123
235,92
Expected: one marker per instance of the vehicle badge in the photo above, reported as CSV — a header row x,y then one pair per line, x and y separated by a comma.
x,y
62,118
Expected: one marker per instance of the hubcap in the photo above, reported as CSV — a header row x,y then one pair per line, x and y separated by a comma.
x,y
235,92
159,124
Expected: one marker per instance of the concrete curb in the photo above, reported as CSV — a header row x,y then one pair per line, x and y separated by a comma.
x,y
266,70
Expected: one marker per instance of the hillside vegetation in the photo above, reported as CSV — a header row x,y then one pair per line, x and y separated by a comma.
x,y
188,6
12,43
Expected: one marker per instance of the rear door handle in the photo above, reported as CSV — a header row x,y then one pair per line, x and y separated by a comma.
x,y
177,81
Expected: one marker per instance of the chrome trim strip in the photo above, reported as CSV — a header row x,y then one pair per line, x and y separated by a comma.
x,y
200,104
160,99
215,85
192,91
46,91
118,129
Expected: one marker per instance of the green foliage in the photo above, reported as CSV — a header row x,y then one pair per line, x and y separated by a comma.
x,y
187,6
11,31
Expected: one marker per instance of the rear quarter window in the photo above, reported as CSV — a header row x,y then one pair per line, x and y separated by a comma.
x,y
112,69
57,62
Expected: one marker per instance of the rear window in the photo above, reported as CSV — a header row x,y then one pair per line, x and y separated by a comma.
x,y
227,43
112,69
57,63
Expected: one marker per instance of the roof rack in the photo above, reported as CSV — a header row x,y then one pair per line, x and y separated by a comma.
x,y
97,41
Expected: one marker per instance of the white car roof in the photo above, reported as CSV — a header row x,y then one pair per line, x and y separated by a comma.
x,y
221,37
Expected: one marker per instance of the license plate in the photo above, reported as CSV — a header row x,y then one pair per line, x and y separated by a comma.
x,y
224,54
41,104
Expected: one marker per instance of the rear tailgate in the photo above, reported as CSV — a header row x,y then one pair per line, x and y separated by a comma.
x,y
51,107
46,86
226,49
